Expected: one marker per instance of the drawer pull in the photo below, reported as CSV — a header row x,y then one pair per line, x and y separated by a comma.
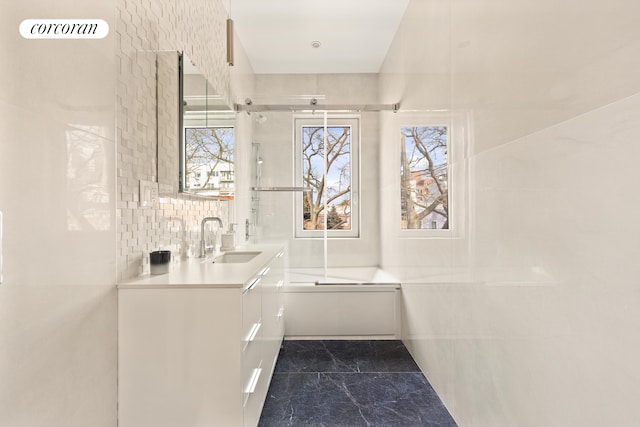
x,y
280,283
253,332
253,381
265,271
253,284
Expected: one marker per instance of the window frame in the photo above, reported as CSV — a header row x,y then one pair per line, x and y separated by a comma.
x,y
334,120
456,172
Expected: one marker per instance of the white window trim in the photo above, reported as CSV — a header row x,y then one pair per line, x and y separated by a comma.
x,y
456,172
354,121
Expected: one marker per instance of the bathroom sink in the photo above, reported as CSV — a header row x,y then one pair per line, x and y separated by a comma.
x,y
236,257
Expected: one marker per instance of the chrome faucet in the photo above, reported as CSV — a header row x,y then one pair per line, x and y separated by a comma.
x,y
203,246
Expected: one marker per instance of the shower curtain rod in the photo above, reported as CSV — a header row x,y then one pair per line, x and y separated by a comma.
x,y
249,107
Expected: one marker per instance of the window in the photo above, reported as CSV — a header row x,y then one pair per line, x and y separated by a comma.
x,y
208,156
424,181
340,182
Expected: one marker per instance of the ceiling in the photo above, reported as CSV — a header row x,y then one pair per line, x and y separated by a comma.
x,y
354,35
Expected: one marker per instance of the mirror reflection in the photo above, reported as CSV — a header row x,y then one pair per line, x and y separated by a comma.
x,y
207,137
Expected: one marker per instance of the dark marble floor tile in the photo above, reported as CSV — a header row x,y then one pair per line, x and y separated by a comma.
x,y
353,400
345,356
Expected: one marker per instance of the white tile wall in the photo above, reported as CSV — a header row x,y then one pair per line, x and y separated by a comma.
x,y
58,322
529,319
198,28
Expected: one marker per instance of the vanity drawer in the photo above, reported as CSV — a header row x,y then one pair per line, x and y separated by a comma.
x,y
253,375
251,313
255,399
251,370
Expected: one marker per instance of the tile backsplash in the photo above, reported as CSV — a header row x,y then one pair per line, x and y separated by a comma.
x,y
142,29
172,224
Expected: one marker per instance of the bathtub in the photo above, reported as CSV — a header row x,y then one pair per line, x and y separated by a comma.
x,y
341,303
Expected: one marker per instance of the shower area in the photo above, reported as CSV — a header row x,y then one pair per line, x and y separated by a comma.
x,y
310,187
314,183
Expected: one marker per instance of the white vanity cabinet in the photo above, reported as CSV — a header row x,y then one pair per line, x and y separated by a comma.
x,y
273,311
199,354
263,336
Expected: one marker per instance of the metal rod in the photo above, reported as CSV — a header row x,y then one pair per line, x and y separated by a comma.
x,y
253,108
281,188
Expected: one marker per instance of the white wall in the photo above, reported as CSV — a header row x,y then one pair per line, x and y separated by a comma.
x,y
533,320
241,87
57,193
417,75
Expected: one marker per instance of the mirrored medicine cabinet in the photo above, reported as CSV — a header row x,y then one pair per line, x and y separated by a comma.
x,y
196,132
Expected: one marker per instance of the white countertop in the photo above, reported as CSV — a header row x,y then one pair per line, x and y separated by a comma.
x,y
201,273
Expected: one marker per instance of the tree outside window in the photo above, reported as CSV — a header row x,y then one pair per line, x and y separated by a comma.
x,y
339,184
209,168
424,178
337,180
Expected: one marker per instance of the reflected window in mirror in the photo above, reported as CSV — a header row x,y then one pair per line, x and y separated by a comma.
x,y
207,137
209,168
